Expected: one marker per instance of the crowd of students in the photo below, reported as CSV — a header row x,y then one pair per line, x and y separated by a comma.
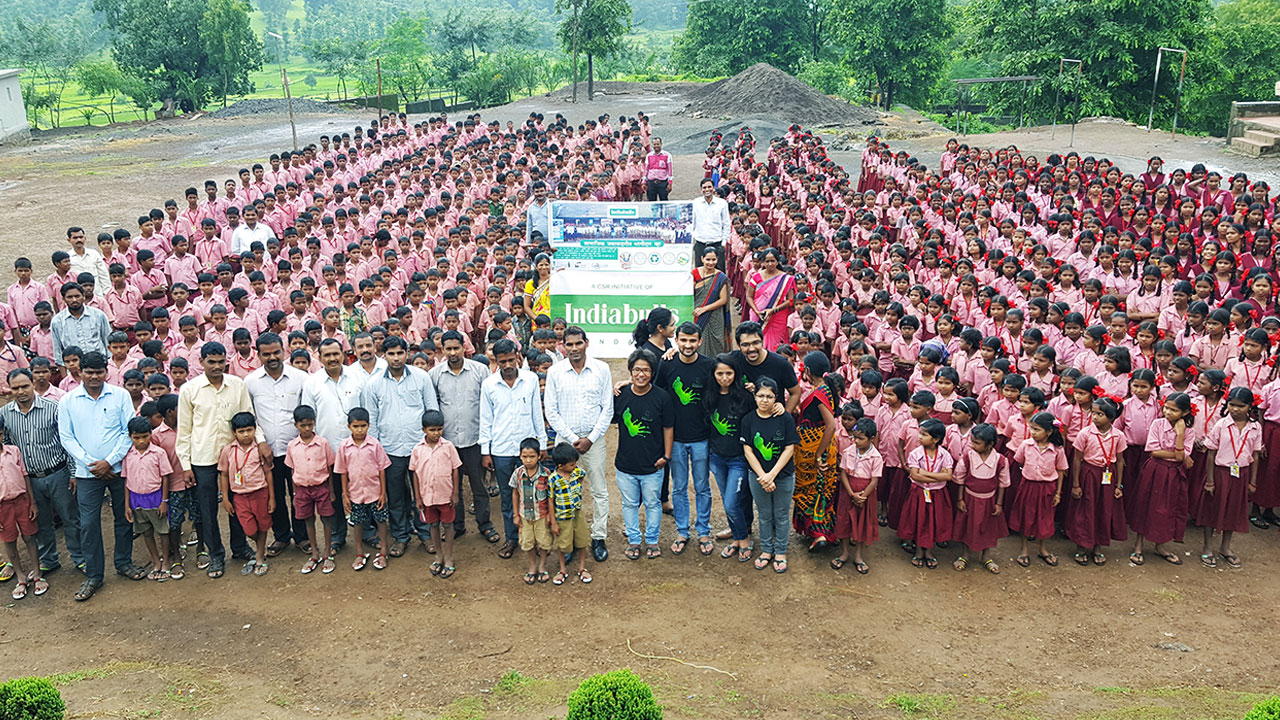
x,y
992,347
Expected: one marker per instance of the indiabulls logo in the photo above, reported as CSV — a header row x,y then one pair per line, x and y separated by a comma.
x,y
602,313
623,212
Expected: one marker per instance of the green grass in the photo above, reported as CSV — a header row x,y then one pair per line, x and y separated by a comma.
x,y
469,708
98,673
921,705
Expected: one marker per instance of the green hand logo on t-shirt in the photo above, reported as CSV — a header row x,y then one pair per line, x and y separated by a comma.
x,y
685,395
766,450
723,425
635,428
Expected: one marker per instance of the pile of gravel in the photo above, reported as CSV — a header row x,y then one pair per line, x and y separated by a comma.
x,y
275,106
764,89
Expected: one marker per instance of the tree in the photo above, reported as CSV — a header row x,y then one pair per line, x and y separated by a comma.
x,y
595,28
898,42
49,49
724,37
233,50
100,78
275,13
338,57
406,65
466,28
1237,63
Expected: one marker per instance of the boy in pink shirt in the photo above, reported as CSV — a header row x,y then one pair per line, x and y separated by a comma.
x,y
434,464
362,463
311,457
24,294
248,495
18,517
147,472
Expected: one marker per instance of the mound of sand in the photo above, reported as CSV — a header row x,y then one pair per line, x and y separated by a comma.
x,y
765,90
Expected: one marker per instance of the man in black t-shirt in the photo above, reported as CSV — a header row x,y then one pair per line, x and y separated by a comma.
x,y
687,379
752,361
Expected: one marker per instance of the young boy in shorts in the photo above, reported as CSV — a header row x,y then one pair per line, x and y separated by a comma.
x,y
532,499
147,472
311,458
18,517
568,522
244,479
434,464
163,414
362,463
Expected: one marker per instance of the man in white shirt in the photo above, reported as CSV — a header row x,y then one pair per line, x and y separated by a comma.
x,y
275,389
510,411
710,224
85,259
579,405
250,231
333,392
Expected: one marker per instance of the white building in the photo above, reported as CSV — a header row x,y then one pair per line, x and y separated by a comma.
x,y
13,114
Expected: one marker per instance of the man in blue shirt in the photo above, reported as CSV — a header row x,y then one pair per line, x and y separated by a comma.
x,y
93,424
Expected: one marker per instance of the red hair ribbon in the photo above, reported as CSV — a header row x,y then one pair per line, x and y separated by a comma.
x,y
1098,392
1193,371
1160,333
1159,382
1133,331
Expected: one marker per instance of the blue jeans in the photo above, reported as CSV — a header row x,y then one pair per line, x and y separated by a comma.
x,y
52,493
686,458
89,493
731,477
503,466
775,511
208,498
635,490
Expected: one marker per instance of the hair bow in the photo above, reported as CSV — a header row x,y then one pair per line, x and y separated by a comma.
x,y
1160,333
1098,392
1133,331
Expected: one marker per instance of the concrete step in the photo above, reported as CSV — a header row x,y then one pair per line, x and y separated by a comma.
x,y
1263,136
1252,148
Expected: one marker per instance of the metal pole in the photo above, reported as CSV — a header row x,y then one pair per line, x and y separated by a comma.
x,y
379,89
1151,114
1075,114
284,78
1057,93
1177,103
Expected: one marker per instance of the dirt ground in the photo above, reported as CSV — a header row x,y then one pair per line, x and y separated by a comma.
x,y
1113,642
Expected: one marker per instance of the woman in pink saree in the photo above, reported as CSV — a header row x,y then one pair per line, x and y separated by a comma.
x,y
770,297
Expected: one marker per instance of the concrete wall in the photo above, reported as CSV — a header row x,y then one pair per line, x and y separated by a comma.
x,y
13,114
1242,111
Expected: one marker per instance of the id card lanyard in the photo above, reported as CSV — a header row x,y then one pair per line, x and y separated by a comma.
x,y
1107,457
1235,451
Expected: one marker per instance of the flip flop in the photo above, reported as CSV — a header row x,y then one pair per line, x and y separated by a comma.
x,y
40,587
247,568
1136,558
744,553
1051,560
380,561
1099,559
397,549
529,578
763,561
543,576
203,560
1259,522
584,577
1209,561
1171,558
559,578
6,572
917,561
861,567
779,566
1232,560
653,552
678,547
991,566
1081,558
446,572
437,566
490,535
1023,560
176,571
837,563
328,566
506,551
359,562
276,548
632,552
961,563
158,575
729,551
706,547
20,590
261,569
931,563
310,566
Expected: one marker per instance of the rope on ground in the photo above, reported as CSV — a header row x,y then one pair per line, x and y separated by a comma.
x,y
682,662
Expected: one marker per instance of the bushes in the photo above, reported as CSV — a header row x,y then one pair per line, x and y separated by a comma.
x,y
617,695
1268,709
33,698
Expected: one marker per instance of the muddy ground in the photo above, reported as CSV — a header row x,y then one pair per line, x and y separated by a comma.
x,y
1118,641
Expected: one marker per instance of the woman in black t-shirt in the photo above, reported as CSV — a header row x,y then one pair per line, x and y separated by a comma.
x,y
768,442
725,404
645,417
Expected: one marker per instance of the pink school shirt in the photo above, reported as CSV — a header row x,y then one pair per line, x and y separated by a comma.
x,y
13,473
890,422
166,438
185,270
1162,436
248,463
942,461
41,342
867,466
145,472
981,476
311,461
1271,401
362,464
1243,373
1098,448
23,299
1235,447
432,469
1040,464
1137,418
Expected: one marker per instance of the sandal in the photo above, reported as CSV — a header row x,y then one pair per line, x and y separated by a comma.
x,y
584,577
202,560
1171,558
1209,560
861,567
86,591
276,548
744,553
1051,560
20,590
543,576
917,561
529,578
176,572
991,566
1136,558
328,566
446,572
305,546
397,549
779,566
492,490
1023,560
215,570
677,547
380,561
491,535
6,572
837,563
506,551
931,563
1081,558
247,568
632,552
559,578
261,569
437,566
653,552
1259,522
133,572
908,546
1232,560
706,547
763,561
1099,559
40,587
158,575
310,566
961,563
358,563
729,551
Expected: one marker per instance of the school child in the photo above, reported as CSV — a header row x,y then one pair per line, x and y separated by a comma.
x,y
568,521
926,518
890,420
1250,369
1158,512
162,413
531,496
311,458
1233,443
18,517
361,462
861,467
147,473
919,409
983,475
1096,515
1117,365
1211,404
1044,466
1267,497
434,464
244,479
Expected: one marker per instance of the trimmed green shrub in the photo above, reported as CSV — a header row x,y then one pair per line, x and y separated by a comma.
x,y
617,695
1268,709
32,698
